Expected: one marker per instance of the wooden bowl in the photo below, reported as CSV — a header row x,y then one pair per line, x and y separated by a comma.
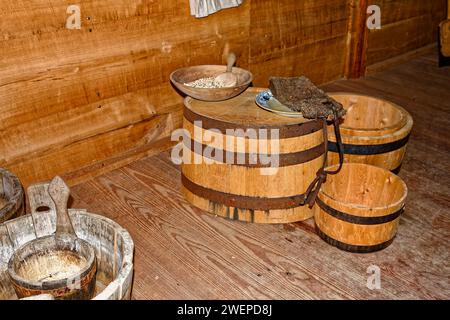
x,y
359,209
11,196
185,75
62,266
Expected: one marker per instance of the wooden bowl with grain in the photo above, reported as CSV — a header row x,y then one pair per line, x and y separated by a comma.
x,y
183,76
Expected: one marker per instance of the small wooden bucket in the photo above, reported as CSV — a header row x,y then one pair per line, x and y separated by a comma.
x,y
359,209
374,131
12,202
64,267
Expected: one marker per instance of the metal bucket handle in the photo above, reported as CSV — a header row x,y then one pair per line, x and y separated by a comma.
x,y
311,193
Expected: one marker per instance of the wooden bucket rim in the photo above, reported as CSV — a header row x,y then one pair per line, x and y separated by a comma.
x,y
52,284
395,205
405,115
387,137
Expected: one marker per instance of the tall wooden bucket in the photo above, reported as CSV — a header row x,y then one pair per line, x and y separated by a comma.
x,y
374,131
359,209
249,190
12,201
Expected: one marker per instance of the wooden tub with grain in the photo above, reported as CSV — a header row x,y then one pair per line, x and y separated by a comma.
x,y
358,210
12,202
112,244
374,132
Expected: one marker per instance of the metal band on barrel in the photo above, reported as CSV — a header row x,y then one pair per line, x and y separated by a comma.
x,y
351,247
287,131
358,219
242,202
254,160
366,150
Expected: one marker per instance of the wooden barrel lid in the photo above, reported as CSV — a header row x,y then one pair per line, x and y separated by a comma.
x,y
242,112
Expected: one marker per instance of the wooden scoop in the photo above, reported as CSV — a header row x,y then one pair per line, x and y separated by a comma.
x,y
227,79
60,192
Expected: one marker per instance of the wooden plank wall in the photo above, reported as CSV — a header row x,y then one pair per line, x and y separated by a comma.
x,y
73,101
289,38
408,26
80,102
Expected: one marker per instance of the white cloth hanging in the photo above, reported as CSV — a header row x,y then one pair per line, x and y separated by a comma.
x,y
203,8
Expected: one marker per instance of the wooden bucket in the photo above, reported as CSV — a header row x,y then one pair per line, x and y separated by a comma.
x,y
241,191
12,202
374,131
112,244
359,209
60,266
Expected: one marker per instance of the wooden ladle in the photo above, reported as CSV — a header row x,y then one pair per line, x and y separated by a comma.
x,y
228,78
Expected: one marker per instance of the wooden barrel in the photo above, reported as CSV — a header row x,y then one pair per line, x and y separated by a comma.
x,y
359,209
12,202
113,245
245,187
374,131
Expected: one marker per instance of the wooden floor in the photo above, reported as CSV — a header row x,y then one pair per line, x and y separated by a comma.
x,y
184,253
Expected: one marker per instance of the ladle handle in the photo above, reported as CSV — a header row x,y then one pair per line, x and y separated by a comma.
x,y
231,60
60,192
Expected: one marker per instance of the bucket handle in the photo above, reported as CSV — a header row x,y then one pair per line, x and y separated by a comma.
x,y
321,175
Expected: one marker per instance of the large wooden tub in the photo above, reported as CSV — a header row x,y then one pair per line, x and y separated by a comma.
x,y
113,244
240,189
